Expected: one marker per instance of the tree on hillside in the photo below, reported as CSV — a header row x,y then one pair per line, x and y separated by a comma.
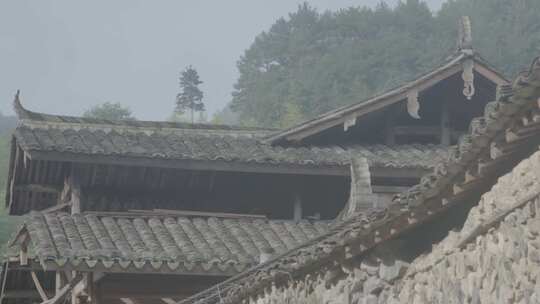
x,y
110,111
190,97
312,62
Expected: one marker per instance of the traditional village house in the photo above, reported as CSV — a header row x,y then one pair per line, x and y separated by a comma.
x,y
136,211
468,233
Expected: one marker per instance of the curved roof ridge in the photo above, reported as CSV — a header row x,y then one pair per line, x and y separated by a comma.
x,y
30,118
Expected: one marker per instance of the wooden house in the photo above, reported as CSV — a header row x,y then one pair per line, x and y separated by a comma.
x,y
138,211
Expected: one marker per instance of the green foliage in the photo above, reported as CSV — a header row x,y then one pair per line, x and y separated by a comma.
x,y
313,62
292,115
109,111
190,97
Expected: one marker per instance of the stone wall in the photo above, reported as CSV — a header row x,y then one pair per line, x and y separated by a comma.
x,y
495,258
370,281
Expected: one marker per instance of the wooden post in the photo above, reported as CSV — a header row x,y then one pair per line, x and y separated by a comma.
x,y
297,208
446,133
39,287
23,254
75,185
60,281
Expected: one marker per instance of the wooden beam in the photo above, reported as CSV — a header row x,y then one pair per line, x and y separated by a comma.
x,y
334,170
38,188
489,74
38,286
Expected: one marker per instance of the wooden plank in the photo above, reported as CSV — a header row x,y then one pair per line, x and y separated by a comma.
x,y
38,286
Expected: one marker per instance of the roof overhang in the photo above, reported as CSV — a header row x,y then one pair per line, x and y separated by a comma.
x,y
225,166
349,113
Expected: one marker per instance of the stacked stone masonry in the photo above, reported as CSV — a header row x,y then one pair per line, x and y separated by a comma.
x,y
495,258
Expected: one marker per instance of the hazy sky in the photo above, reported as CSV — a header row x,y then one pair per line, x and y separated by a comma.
x,y
66,55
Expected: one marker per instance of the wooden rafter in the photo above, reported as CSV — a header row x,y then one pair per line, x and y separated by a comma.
x,y
39,287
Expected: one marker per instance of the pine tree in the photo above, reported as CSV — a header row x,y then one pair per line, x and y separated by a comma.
x,y
190,97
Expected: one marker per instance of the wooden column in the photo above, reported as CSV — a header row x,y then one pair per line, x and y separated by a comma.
x,y
297,215
60,281
446,132
75,186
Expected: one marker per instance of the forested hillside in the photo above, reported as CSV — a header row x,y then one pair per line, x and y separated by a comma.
x,y
312,62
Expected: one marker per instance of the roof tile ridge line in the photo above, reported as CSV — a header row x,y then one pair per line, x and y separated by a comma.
x,y
332,114
40,124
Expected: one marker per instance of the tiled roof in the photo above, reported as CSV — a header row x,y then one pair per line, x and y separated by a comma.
x,y
203,145
117,243
508,132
